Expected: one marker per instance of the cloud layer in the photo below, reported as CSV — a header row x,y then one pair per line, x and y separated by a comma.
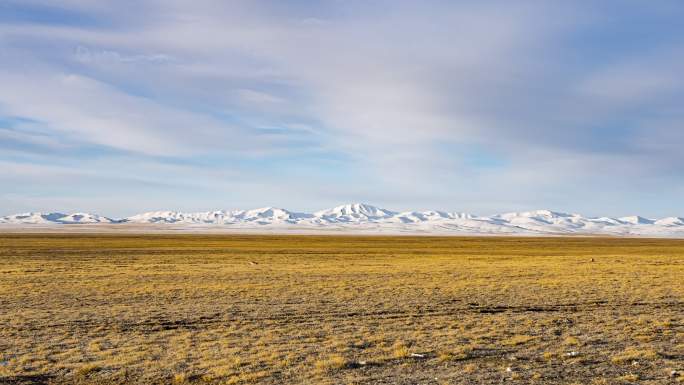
x,y
473,106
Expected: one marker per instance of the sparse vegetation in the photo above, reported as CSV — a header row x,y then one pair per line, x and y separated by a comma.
x,y
571,341
87,370
335,362
194,309
518,340
632,355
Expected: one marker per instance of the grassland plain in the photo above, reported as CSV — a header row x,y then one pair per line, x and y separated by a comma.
x,y
241,309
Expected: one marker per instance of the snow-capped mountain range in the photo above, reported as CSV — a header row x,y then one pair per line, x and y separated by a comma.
x,y
359,217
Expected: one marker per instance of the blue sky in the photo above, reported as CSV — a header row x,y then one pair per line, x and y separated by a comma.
x,y
476,106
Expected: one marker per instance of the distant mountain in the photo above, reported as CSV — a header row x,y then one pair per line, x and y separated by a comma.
x,y
48,218
636,220
670,221
354,212
265,215
361,217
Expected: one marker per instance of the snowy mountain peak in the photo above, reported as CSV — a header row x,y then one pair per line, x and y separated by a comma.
x,y
47,218
355,210
670,221
84,218
542,214
268,212
636,220
156,217
552,214
32,217
430,216
273,214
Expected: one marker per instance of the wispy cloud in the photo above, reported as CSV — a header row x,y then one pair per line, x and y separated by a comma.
x,y
87,55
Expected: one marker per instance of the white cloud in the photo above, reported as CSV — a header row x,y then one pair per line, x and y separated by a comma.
x,y
397,90
91,111
88,55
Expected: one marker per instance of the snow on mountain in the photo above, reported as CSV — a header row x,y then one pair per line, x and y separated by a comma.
x,y
367,218
540,221
84,218
537,214
161,217
265,215
428,216
273,214
53,218
179,217
606,221
354,212
415,216
636,220
670,221
31,218
539,217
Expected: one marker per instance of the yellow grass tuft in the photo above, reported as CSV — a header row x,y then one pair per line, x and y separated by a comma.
x,y
445,356
634,354
400,352
88,369
629,377
518,340
332,363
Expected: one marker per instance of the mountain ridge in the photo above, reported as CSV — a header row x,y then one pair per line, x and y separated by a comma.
x,y
366,217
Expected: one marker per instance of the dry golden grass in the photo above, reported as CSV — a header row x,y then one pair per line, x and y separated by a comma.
x,y
195,309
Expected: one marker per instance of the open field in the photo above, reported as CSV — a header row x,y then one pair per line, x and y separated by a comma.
x,y
247,309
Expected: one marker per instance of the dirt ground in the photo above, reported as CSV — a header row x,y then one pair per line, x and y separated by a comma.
x,y
249,309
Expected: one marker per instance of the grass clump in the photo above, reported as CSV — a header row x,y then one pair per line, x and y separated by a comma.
x,y
518,340
631,377
88,369
330,364
400,352
445,356
632,354
180,378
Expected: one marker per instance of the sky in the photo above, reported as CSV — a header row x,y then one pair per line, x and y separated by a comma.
x,y
120,107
